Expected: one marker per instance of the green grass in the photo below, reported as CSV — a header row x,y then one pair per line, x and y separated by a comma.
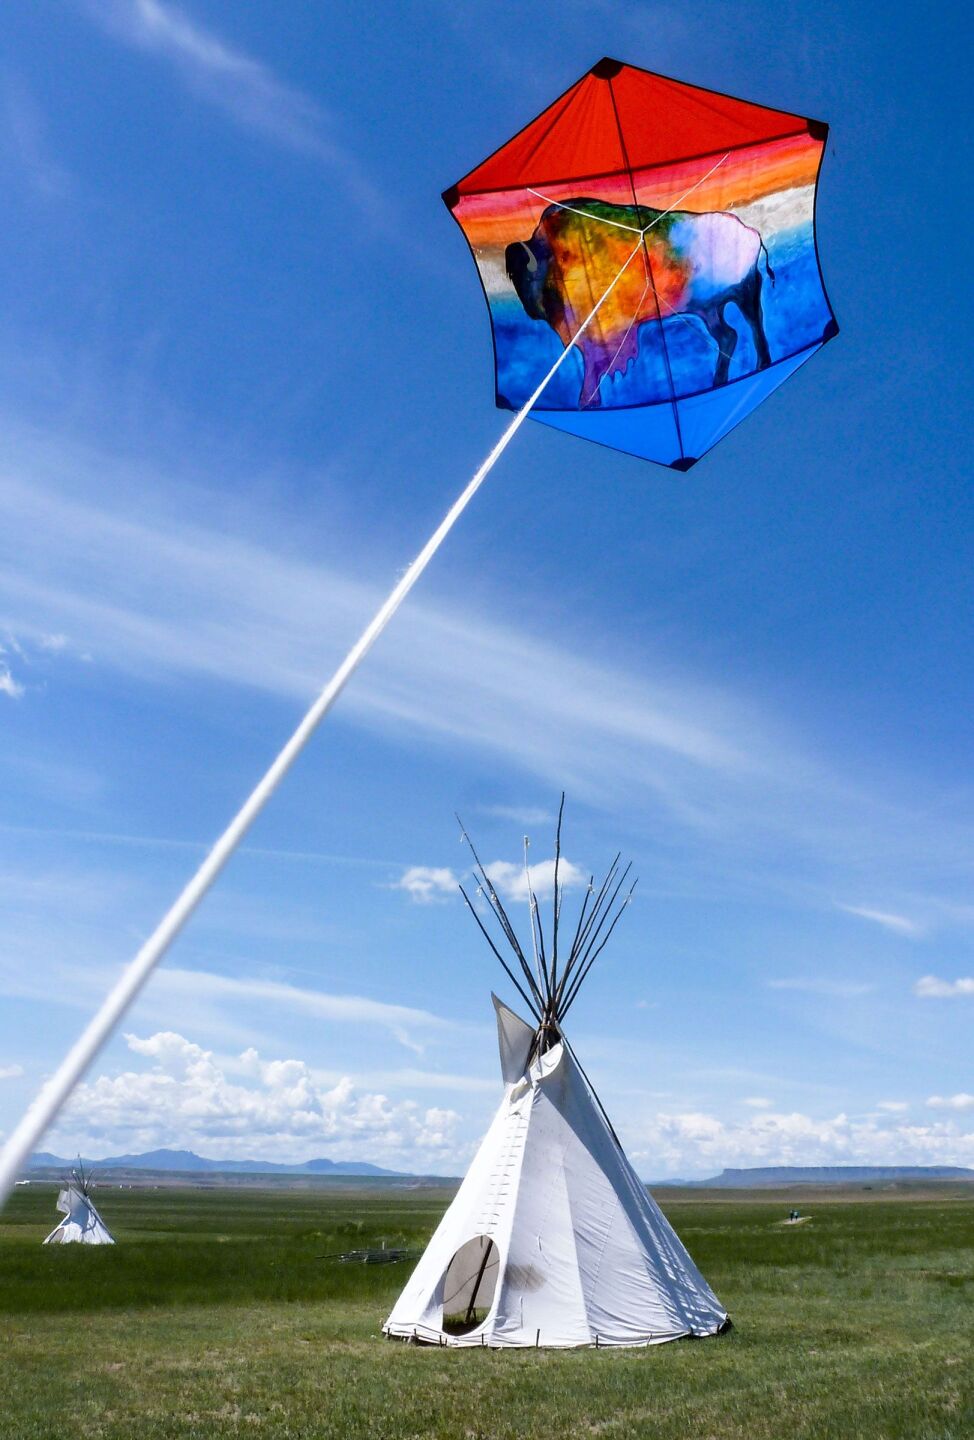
x,y
215,1315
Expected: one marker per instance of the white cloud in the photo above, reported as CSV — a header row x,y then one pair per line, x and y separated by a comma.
x,y
951,1102
53,643
426,884
519,814
247,91
702,1144
11,1072
892,1107
242,88
25,132
616,732
249,1107
401,1021
512,883
121,580
758,1102
8,685
930,988
899,924
838,989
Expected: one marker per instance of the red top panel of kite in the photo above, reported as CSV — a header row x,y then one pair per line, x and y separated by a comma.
x,y
662,120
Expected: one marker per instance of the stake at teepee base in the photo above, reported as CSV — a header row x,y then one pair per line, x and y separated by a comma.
x,y
41,1115
552,1239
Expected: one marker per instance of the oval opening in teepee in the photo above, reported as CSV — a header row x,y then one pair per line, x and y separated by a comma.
x,y
469,1285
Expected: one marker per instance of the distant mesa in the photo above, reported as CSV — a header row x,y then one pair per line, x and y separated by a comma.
x,y
775,1175
186,1162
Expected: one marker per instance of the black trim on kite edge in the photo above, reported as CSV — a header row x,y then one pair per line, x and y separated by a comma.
x,y
706,90
501,402
832,329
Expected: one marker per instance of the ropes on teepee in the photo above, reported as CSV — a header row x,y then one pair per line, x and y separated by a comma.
x,y
548,997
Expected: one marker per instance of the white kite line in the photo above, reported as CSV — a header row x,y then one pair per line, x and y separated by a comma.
x,y
601,219
57,1089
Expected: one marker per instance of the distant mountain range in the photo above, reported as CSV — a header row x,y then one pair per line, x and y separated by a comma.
x,y
185,1161
775,1175
766,1177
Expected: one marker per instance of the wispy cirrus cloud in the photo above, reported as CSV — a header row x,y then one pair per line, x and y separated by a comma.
x,y
126,585
11,1072
122,580
929,987
242,88
403,1022
820,985
519,814
8,685
887,919
24,135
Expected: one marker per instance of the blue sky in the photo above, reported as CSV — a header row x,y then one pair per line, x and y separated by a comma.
x,y
245,367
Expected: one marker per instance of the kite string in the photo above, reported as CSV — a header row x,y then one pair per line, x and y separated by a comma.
x,y
633,229
649,281
24,1139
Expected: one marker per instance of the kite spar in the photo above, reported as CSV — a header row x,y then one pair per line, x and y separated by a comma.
x,y
58,1088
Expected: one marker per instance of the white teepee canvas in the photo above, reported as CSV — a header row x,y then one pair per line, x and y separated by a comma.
x,y
552,1239
82,1225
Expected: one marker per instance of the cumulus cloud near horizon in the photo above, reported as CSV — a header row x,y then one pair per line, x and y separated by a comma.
x,y
186,1097
698,1143
178,1095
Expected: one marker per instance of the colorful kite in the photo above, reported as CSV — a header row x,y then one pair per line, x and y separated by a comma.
x,y
697,211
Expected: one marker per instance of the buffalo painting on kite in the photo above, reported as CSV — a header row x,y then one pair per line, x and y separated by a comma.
x,y
698,210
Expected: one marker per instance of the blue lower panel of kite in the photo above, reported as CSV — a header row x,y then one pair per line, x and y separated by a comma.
x,y
676,436
707,418
648,431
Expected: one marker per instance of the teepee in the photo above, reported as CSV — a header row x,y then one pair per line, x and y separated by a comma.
x,y
82,1224
552,1239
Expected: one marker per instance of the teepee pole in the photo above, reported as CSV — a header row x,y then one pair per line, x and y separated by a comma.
x,y
44,1110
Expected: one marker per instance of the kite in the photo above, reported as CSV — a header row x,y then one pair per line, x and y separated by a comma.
x,y
698,211
647,250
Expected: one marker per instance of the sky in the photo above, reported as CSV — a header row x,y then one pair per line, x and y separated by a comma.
x,y
244,369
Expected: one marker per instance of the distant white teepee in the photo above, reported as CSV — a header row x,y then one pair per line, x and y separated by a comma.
x,y
81,1224
552,1238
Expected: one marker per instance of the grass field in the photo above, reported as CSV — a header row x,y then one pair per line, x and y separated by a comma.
x,y
216,1315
